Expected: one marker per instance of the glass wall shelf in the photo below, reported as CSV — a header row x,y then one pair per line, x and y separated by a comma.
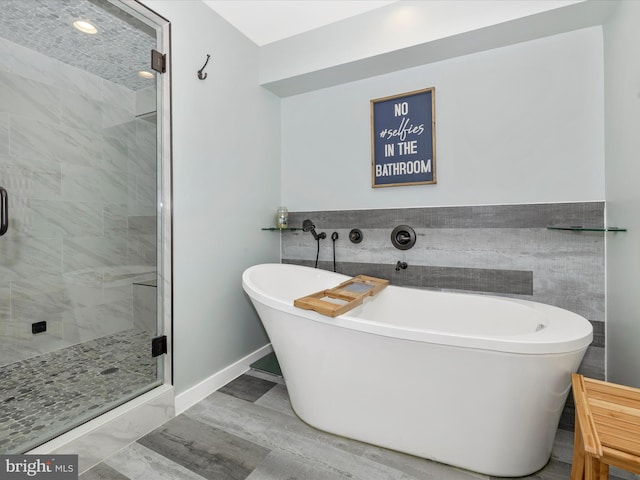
x,y
287,229
580,228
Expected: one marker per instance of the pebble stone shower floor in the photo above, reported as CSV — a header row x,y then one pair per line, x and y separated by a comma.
x,y
48,392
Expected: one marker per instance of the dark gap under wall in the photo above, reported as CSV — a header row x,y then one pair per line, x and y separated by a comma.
x,y
491,249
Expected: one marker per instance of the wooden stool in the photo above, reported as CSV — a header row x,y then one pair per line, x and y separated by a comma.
x,y
607,430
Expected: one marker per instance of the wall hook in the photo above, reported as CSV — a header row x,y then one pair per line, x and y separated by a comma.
x,y
201,75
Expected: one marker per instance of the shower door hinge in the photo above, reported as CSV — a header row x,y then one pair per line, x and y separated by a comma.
x,y
158,346
158,61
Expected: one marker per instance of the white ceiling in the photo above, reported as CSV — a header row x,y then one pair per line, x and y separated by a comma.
x,y
266,21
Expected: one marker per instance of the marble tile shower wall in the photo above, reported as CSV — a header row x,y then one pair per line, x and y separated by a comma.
x,y
80,170
503,249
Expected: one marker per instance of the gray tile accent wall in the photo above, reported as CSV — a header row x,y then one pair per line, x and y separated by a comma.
x,y
443,278
492,249
501,249
481,216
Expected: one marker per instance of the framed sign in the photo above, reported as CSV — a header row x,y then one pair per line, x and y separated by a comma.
x,y
403,143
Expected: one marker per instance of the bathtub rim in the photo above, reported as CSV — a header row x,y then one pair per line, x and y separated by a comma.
x,y
564,332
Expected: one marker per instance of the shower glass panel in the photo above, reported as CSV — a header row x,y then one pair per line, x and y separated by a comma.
x,y
79,296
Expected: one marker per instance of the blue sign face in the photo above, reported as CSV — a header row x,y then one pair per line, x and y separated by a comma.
x,y
403,139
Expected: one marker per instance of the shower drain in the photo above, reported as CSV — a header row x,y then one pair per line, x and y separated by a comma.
x,y
107,371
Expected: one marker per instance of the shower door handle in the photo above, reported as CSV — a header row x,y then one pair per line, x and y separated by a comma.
x,y
4,211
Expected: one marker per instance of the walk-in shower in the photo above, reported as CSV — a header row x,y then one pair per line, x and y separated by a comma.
x,y
84,259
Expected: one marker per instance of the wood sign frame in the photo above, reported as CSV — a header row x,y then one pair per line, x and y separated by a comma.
x,y
403,139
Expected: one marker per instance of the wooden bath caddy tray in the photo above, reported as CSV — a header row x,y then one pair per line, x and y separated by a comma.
x,y
345,296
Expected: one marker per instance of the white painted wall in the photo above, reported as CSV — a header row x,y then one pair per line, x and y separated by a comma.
x,y
622,95
518,124
226,186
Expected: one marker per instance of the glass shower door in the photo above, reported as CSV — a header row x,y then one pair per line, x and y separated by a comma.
x,y
80,258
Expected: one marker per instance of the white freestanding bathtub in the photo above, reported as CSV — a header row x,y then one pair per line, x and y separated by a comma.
x,y
473,381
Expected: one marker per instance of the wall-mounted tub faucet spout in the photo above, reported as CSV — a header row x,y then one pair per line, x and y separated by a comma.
x,y
308,226
401,265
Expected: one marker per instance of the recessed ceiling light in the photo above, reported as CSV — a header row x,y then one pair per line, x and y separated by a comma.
x,y
145,74
85,27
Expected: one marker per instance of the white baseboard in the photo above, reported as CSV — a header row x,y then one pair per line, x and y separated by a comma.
x,y
209,385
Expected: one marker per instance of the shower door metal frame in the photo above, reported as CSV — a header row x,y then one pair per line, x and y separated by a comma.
x,y
164,180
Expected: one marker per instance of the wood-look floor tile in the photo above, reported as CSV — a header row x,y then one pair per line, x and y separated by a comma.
x,y
265,426
102,471
247,387
563,446
554,470
277,399
138,462
284,466
289,435
419,467
205,450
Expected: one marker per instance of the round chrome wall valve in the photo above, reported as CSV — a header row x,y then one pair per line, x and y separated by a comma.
x,y
403,237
